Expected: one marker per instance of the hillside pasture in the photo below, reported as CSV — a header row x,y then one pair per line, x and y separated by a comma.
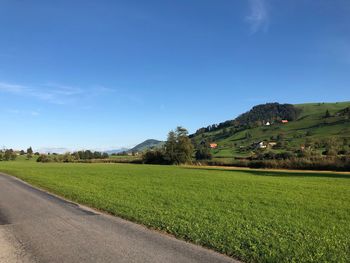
x,y
311,126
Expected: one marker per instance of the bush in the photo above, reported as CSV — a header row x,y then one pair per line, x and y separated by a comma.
x,y
330,152
8,155
284,155
66,158
203,153
312,163
154,157
343,152
43,158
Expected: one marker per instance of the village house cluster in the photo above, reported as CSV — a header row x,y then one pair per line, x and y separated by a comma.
x,y
257,145
268,123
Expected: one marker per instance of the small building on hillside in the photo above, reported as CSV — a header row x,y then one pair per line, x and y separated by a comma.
x,y
213,145
268,123
272,144
260,145
284,121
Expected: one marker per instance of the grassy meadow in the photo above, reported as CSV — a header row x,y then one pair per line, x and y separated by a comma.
x,y
255,216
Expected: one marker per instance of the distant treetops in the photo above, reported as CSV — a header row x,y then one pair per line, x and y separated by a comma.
x,y
8,155
11,155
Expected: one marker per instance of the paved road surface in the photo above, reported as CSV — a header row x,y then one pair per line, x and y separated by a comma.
x,y
39,227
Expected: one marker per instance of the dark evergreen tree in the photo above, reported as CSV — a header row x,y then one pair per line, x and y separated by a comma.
x,y
327,114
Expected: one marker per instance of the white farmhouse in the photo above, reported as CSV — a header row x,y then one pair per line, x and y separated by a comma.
x,y
261,145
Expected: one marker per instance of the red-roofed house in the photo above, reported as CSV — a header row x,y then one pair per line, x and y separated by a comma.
x,y
213,145
284,121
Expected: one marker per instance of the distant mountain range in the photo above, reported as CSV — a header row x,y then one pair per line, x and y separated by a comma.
x,y
53,150
150,143
117,150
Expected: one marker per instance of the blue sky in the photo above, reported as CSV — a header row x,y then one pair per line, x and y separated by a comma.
x,y
105,74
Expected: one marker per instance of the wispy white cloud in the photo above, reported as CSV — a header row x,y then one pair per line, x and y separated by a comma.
x,y
63,89
45,92
53,92
33,113
14,111
258,18
12,88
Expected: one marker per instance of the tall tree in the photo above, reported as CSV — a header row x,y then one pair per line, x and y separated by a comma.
x,y
184,146
203,151
327,115
178,148
29,153
170,147
9,155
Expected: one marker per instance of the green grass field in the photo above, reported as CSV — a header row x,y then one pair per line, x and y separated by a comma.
x,y
255,216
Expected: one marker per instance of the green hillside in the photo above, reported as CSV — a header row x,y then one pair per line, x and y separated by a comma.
x,y
313,127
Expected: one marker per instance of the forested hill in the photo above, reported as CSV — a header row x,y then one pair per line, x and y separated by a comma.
x,y
258,115
269,112
148,144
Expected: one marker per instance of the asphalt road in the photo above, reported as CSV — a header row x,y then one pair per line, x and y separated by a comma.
x,y
38,227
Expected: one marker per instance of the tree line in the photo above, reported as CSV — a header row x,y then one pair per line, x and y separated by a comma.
x,y
8,155
11,155
73,157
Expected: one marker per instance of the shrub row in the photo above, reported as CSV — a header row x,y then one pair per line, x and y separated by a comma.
x,y
321,163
